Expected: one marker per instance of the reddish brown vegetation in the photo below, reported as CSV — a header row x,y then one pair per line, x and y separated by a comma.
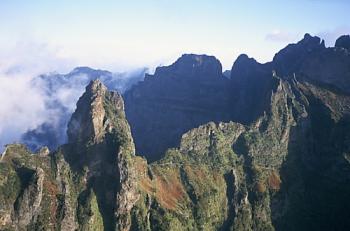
x,y
52,191
146,185
165,187
169,191
274,181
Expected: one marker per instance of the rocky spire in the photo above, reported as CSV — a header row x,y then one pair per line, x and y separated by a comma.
x,y
93,117
87,120
99,124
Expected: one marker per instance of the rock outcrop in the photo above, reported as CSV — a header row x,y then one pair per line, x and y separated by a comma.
x,y
251,88
88,184
308,59
311,60
177,98
88,121
343,42
290,59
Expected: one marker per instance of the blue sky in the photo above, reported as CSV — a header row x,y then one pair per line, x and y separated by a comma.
x,y
122,34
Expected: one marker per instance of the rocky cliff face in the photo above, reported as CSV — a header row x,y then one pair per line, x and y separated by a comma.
x,y
296,117
177,98
251,88
192,91
282,162
310,59
266,176
88,184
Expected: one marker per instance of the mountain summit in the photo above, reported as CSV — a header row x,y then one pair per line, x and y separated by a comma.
x,y
88,120
190,92
192,66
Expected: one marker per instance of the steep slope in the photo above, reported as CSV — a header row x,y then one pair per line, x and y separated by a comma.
x,y
192,91
311,59
177,98
315,173
293,170
86,185
99,147
289,170
251,88
220,178
316,170
308,59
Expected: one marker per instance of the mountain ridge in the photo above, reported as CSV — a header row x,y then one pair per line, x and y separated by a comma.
x,y
278,161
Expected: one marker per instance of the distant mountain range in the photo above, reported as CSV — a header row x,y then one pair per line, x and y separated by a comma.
x,y
194,91
188,148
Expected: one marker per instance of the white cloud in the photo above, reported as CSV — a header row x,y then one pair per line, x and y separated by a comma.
x,y
22,105
29,101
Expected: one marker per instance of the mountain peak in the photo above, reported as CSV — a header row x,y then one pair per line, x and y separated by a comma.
x,y
311,41
288,60
96,86
243,60
89,71
89,122
193,66
343,42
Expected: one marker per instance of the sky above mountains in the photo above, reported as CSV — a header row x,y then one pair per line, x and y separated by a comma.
x,y
124,34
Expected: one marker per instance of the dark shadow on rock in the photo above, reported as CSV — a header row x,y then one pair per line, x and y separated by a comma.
x,y
315,176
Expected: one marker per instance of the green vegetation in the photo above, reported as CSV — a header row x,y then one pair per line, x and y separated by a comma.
x,y
223,176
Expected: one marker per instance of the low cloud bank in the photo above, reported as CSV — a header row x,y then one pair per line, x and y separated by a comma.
x,y
35,107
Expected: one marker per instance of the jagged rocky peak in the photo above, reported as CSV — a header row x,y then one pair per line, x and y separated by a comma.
x,y
100,144
311,42
343,42
89,122
244,66
289,59
307,44
193,66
